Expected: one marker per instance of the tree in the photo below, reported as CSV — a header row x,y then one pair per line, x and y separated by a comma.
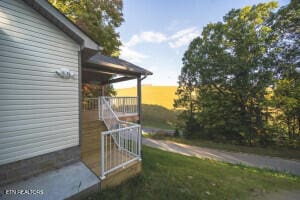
x,y
287,99
286,49
94,90
97,18
186,93
230,68
286,53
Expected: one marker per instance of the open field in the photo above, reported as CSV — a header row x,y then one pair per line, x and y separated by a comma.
x,y
155,95
158,117
157,105
172,176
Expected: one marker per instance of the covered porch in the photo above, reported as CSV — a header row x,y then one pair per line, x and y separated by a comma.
x,y
111,126
126,108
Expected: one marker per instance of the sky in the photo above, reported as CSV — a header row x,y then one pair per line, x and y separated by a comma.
x,y
156,33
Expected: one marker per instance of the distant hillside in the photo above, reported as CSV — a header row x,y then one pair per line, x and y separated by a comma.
x,y
155,95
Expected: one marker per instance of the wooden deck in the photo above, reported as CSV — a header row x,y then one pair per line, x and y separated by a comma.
x,y
90,144
91,147
93,115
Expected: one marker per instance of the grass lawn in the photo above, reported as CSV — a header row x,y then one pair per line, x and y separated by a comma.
x,y
172,176
266,151
158,117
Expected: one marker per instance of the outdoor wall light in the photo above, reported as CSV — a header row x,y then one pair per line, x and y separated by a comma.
x,y
65,73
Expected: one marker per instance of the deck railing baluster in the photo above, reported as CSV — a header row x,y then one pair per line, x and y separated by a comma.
x,y
122,135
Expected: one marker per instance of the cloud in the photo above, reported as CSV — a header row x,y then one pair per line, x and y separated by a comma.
x,y
147,36
183,37
183,32
127,51
132,55
176,40
177,23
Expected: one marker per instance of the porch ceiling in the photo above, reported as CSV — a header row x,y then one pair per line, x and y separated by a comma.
x,y
115,65
103,77
93,76
101,69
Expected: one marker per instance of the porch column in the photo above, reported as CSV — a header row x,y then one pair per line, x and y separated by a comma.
x,y
139,99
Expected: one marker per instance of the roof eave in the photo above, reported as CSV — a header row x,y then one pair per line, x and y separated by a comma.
x,y
56,17
88,46
116,65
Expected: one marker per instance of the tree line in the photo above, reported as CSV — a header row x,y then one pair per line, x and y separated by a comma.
x,y
99,19
240,79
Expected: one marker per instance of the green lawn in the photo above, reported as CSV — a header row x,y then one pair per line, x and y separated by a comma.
x,y
158,117
266,151
172,176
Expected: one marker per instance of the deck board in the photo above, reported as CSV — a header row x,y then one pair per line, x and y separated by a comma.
x,y
91,146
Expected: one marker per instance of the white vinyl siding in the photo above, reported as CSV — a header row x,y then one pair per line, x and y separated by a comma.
x,y
39,111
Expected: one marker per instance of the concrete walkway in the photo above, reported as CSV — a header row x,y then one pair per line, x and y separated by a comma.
x,y
74,181
274,163
151,130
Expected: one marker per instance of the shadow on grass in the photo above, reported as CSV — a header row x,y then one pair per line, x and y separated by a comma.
x,y
158,116
168,175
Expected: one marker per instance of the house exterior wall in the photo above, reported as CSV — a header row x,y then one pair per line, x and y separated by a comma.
x,y
27,168
39,111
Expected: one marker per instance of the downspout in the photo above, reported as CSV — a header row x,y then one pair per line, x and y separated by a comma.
x,y
145,76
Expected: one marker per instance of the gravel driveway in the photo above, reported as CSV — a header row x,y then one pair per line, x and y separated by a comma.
x,y
274,163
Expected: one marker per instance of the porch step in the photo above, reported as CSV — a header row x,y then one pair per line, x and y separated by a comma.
x,y
113,158
91,148
122,174
91,144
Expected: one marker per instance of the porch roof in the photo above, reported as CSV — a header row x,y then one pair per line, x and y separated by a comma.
x,y
116,65
95,66
100,67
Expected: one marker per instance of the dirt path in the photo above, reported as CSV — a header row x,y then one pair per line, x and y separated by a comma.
x,y
274,163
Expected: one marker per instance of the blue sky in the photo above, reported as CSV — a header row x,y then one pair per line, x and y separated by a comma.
x,y
156,33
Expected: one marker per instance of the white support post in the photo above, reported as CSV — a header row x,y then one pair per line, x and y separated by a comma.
x,y
140,142
99,108
102,108
125,135
102,164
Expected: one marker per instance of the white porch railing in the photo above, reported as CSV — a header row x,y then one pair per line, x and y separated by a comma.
x,y
121,144
123,105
